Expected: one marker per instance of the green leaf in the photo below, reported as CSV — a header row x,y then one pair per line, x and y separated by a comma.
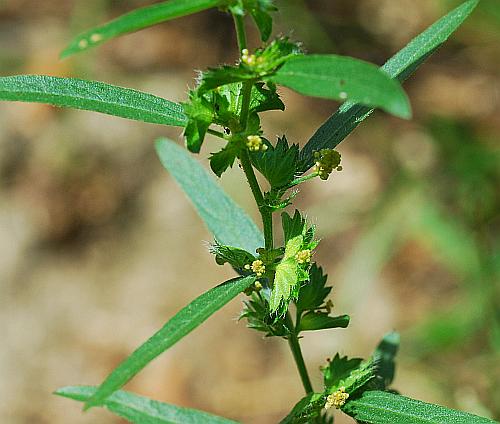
x,y
237,258
223,159
357,379
136,20
321,321
260,11
264,22
278,164
338,369
223,75
376,407
384,356
306,410
257,314
141,410
399,67
343,78
285,279
181,324
92,95
313,294
200,115
292,226
230,225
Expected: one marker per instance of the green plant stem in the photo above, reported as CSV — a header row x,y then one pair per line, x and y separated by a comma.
x,y
246,93
266,213
293,342
239,24
267,219
216,133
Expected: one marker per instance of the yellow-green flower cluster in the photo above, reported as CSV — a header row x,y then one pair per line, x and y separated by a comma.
x,y
304,256
255,143
257,267
337,399
247,58
326,161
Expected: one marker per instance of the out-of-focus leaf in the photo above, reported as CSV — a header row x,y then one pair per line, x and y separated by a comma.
x,y
399,67
141,410
376,407
181,324
344,78
384,357
92,95
136,20
230,225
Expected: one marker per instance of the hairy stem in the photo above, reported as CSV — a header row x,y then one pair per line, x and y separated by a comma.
x,y
266,213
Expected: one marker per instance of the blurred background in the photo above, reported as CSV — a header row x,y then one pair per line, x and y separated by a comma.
x,y
99,247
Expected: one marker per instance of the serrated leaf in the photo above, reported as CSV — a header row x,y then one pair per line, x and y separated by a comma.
x,y
223,159
92,95
277,164
399,67
200,115
137,19
237,258
257,314
292,247
223,75
305,410
229,224
338,369
357,379
313,321
181,324
313,294
141,410
384,356
292,226
264,99
376,407
285,279
343,78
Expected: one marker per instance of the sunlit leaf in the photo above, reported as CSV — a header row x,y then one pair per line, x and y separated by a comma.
x,y
141,410
376,407
92,95
343,78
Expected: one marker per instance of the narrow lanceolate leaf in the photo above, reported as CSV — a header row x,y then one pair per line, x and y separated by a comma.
x,y
92,95
399,67
230,225
136,20
181,324
141,410
376,407
344,78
